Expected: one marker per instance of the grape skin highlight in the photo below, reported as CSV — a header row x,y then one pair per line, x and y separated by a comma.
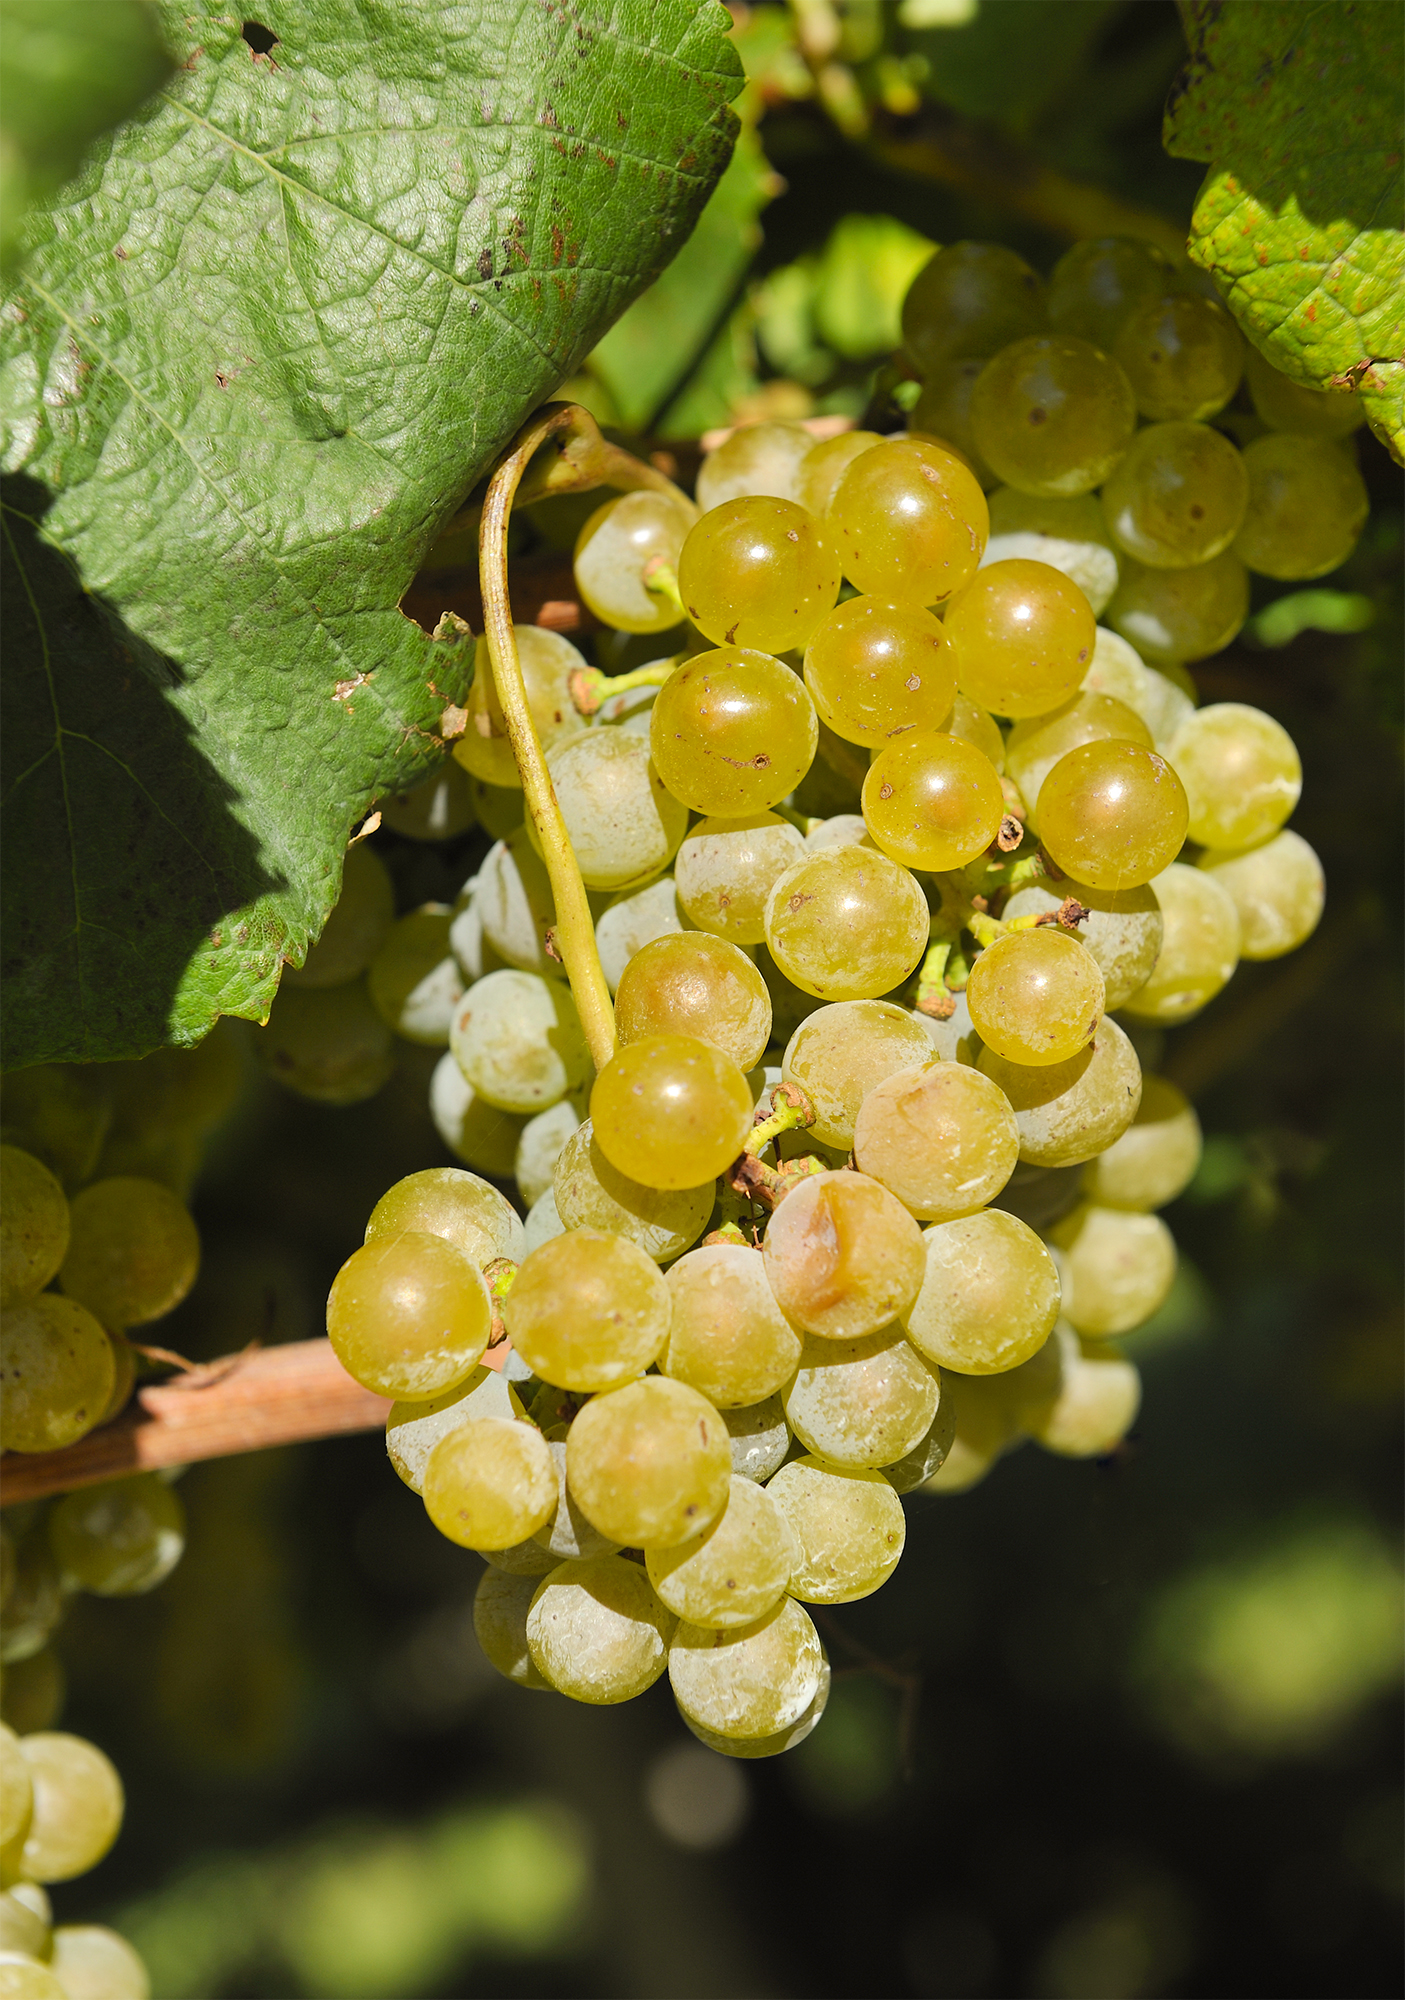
x,y
933,802
1023,637
674,1110
1035,996
1113,814
732,732
910,523
846,924
758,573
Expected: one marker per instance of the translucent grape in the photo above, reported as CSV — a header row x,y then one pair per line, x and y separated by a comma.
x,y
414,982
438,808
1035,746
623,823
757,458
846,923
760,1438
1052,415
548,661
825,464
1069,535
569,1535
34,1225
1100,281
621,549
1286,405
735,1570
1182,354
1199,946
732,732
1307,507
1178,497
518,1040
1113,814
862,1402
16,1789
753,1682
971,299
839,1053
1035,996
597,1632
1023,636
447,1202
697,985
650,1465
474,1131
843,1256
1115,1268
933,802
989,1295
1093,1401
942,412
412,1430
587,1311
673,1109
877,669
1171,615
590,1193
357,926
1119,670
1122,931
849,1525
758,573
1154,1159
513,903
910,522
78,1806
330,1045
490,1483
408,1316
928,1455
500,1606
726,868
133,1251
634,919
1241,772
540,1145
942,1138
1277,889
118,1539
1066,1112
727,1337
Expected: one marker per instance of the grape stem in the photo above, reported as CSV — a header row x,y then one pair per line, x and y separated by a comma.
x,y
589,686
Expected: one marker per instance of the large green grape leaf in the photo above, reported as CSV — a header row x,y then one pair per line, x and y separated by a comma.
x,y
1296,106
258,353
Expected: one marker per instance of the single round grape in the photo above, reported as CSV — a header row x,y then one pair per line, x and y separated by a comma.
x,y
1113,814
119,1539
1154,1159
513,902
356,926
519,1041
1036,745
1277,888
621,547
1241,772
1115,1267
942,413
1307,507
846,923
1052,415
409,1316
1199,946
414,982
58,1372
1035,996
650,1465
591,1193
735,1570
1171,615
597,1632
839,1053
942,1138
1069,535
1096,285
877,669
500,1606
34,1225
623,821
672,1109
633,919
849,1525
1119,671
133,1251
474,1131
587,1311
1092,1402
1066,1112
843,1256
910,522
1023,636
727,1337
445,1201
763,459
16,1789
759,574
752,1683
541,1144
970,299
328,1045
1179,495
78,1806
860,1403
440,807
732,732
933,802
412,1430
1286,405
726,868
760,1438
490,1483
548,661
989,1296
696,985
825,464
1182,354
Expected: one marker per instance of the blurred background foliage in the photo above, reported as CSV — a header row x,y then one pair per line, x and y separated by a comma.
x,y
1123,1729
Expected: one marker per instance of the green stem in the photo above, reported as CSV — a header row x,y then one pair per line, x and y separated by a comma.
x,y
590,687
790,1110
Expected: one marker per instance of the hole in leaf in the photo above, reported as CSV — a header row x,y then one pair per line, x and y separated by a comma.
x,y
259,38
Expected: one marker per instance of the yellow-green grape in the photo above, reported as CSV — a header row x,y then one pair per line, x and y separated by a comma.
x,y
1093,1402
1182,354
58,1373
408,1316
1035,746
849,1525
726,868
1066,1112
942,1138
976,726
1118,670
519,1041
414,982
23,1978
779,1740
649,1465
500,1606
78,1806
825,464
1199,947
1115,1268
540,1145
1307,507
587,1311
498,808
1069,535
846,923
910,522
356,927
16,1789
330,1045
839,1053
762,459
970,299
672,1109
1023,636
61,1113
839,830
877,669
1155,1158
412,1430
33,1607
862,1402
633,919
760,1437
445,1201
942,413
1113,814
474,1131
1277,888
1241,772
23,1930
591,1193
1286,405
622,548
989,1295
727,1337
119,1539
1178,497
735,1570
91,1962
933,802
1122,930
1100,281
33,1225
732,732
697,985
133,1251
1035,996
548,661
758,573
753,1682
597,1632
438,808
1171,615
569,1535
524,1559
624,823
843,1256
513,904
490,1484
1052,415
